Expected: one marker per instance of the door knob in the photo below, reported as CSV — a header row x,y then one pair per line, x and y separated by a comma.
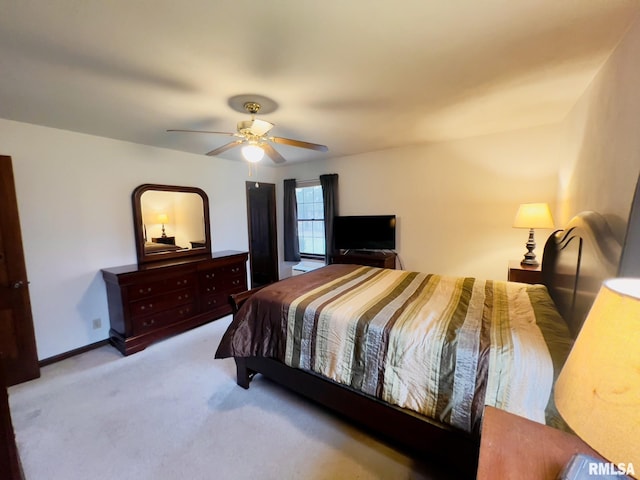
x,y
18,284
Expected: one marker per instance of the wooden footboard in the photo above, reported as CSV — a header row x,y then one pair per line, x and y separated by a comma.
x,y
414,433
238,299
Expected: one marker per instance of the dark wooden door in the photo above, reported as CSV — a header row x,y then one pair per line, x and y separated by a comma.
x,y
9,461
263,240
17,339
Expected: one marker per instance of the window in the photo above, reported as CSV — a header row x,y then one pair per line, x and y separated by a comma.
x,y
310,220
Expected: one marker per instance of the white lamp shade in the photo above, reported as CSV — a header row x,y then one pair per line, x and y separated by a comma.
x,y
598,390
533,215
252,153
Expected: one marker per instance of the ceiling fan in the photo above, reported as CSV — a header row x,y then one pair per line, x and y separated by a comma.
x,y
252,135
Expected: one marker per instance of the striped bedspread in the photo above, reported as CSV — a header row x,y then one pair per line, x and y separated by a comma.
x,y
440,346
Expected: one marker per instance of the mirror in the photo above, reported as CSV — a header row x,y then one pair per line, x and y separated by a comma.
x,y
170,222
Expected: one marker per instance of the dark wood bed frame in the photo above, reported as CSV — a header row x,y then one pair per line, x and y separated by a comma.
x,y
576,261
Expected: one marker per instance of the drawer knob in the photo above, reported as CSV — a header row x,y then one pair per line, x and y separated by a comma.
x,y
148,323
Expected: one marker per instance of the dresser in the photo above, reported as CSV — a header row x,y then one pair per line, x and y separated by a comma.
x,y
153,301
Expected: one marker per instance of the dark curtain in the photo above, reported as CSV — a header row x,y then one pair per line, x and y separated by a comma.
x,y
329,185
291,244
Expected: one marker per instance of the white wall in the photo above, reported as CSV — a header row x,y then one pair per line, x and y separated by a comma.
x,y
74,200
455,201
601,140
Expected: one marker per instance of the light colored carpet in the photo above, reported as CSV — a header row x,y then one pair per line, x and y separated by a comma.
x,y
173,412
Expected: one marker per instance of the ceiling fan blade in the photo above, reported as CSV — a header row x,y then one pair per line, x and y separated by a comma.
x,y
224,148
272,153
260,127
255,127
202,131
299,143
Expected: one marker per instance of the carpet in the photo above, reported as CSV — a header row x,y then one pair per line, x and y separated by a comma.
x,y
173,412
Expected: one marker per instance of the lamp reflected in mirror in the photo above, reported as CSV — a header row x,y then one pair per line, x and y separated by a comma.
x,y
162,219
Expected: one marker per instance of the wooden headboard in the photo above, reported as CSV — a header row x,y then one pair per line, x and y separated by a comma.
x,y
576,261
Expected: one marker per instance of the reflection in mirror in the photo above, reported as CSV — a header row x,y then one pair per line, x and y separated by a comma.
x,y
170,222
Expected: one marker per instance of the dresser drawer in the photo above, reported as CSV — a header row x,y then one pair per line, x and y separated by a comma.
x,y
213,297
158,303
221,279
166,317
236,270
222,273
152,288
212,302
235,285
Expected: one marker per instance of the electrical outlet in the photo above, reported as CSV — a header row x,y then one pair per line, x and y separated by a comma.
x,y
97,323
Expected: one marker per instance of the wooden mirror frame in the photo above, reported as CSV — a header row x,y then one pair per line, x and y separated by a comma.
x,y
145,257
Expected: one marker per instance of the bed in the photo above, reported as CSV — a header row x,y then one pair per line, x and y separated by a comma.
x,y
470,352
157,247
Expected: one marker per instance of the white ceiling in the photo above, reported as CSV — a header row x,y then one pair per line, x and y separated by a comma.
x,y
355,75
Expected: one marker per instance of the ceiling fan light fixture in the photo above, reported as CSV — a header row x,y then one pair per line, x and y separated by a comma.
x,y
252,153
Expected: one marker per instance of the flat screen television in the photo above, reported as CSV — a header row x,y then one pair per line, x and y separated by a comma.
x,y
365,232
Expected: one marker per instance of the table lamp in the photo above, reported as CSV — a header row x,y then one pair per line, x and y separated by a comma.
x,y
532,215
598,390
163,218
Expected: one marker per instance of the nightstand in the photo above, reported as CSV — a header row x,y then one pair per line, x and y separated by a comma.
x,y
164,240
524,274
513,447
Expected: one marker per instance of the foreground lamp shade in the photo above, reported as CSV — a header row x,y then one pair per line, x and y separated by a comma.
x,y
532,215
598,390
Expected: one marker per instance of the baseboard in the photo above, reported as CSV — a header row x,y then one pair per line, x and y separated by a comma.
x,y
71,353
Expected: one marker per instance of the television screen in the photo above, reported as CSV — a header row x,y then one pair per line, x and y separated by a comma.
x,y
365,232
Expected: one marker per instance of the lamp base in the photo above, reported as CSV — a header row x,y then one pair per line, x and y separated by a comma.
x,y
583,467
530,262
530,257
